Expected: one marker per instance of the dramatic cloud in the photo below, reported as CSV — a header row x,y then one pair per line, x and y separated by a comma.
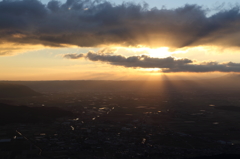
x,y
73,56
13,48
168,64
207,67
100,23
132,61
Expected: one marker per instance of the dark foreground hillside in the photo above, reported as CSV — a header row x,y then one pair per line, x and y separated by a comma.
x,y
222,156
16,90
23,114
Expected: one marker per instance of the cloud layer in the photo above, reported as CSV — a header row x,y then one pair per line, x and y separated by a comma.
x,y
168,64
96,23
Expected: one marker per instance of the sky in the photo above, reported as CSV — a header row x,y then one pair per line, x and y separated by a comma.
x,y
118,40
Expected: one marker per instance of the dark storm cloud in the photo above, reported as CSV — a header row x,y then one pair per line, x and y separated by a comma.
x,y
207,67
97,23
168,64
73,56
137,61
132,61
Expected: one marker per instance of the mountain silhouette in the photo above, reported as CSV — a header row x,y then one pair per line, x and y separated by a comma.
x,y
8,90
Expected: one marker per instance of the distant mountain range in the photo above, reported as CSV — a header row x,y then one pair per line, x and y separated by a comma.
x,y
231,77
10,90
230,81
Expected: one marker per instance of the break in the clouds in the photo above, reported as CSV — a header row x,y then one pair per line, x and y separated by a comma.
x,y
168,64
97,23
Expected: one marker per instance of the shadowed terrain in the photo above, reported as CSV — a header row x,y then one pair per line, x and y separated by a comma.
x,y
16,90
126,119
23,114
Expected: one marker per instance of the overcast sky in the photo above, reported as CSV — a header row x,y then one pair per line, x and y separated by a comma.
x,y
176,3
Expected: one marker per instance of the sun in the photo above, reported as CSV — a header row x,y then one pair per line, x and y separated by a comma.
x,y
161,52
153,70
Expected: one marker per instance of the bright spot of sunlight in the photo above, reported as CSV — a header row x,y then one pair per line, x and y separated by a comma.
x,y
153,52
